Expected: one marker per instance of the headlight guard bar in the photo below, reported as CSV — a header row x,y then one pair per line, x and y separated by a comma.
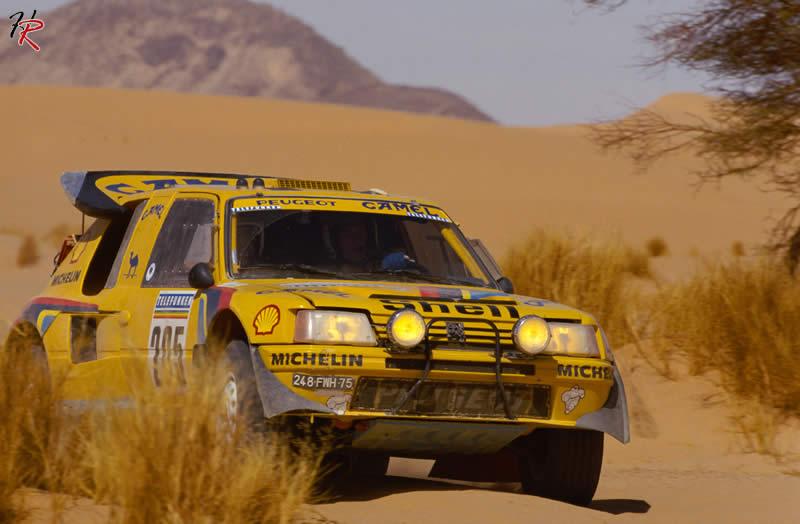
x,y
428,351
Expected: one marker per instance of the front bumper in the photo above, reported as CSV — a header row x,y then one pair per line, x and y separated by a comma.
x,y
583,393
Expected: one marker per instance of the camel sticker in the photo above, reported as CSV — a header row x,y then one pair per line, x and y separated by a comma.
x,y
133,265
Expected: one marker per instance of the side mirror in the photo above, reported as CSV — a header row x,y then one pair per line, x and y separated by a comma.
x,y
506,285
201,276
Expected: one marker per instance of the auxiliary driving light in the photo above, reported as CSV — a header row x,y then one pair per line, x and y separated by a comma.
x,y
406,328
531,334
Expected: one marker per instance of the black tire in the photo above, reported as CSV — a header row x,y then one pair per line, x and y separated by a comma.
x,y
242,403
562,464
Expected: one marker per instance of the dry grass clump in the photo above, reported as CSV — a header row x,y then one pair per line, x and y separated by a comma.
x,y
737,249
657,247
579,271
741,320
166,455
28,254
171,458
36,437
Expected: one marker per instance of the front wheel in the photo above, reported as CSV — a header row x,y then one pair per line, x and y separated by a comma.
x,y
240,394
562,464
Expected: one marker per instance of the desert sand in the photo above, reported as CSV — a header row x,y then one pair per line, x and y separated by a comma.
x,y
685,463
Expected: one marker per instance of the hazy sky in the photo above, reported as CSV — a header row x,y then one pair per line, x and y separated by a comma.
x,y
525,62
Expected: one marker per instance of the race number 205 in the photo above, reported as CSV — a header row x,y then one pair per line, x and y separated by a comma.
x,y
166,348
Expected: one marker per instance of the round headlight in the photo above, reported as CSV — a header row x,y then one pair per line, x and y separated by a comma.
x,y
531,334
406,328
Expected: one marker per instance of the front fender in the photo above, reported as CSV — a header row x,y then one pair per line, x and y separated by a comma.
x,y
276,398
612,418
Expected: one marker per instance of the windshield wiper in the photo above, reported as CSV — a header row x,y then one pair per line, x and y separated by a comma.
x,y
299,268
411,273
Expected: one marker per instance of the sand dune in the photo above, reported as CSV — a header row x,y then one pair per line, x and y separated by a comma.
x,y
684,464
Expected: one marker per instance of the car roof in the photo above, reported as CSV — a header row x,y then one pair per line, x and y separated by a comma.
x,y
105,193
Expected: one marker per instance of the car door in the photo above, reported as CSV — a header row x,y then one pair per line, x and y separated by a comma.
x,y
161,301
92,357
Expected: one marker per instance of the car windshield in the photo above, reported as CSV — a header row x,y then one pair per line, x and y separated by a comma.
x,y
351,246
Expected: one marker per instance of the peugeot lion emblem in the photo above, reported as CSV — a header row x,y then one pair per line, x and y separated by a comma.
x,y
455,332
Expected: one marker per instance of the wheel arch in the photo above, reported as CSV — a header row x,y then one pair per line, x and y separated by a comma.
x,y
223,328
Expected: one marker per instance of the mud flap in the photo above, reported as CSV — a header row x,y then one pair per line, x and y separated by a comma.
x,y
276,398
612,418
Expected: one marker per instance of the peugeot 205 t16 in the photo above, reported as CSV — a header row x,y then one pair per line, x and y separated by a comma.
x,y
360,313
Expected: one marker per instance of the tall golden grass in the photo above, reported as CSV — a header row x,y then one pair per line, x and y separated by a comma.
x,y
165,456
594,275
737,320
740,319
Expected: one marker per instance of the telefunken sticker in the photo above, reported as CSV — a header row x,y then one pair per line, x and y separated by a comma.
x,y
265,320
329,382
571,398
168,333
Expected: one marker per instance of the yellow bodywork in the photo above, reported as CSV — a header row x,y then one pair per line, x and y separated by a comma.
x,y
125,315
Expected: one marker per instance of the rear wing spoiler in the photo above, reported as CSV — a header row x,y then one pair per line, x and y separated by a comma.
x,y
99,193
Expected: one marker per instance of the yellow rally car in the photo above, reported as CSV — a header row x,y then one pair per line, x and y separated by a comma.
x,y
368,314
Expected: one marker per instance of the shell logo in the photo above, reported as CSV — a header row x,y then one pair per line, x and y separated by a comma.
x,y
266,320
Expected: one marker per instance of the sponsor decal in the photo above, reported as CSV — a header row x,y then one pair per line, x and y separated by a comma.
x,y
265,320
65,278
571,398
412,210
440,292
482,295
585,371
338,403
311,202
168,334
537,302
433,306
325,382
133,265
26,26
317,359
155,211
245,209
151,271
141,186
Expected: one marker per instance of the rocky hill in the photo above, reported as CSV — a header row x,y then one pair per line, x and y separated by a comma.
x,y
230,47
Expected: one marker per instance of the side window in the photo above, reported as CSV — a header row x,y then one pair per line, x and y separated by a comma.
x,y
486,257
432,251
185,239
113,242
123,250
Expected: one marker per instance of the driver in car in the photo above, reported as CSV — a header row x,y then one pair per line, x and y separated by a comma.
x,y
351,241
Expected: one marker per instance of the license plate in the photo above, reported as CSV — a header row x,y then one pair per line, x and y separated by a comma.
x,y
329,382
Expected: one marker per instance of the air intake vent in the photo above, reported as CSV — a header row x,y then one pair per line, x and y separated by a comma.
x,y
289,183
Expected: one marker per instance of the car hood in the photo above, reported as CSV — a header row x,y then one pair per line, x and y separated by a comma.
x,y
383,298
